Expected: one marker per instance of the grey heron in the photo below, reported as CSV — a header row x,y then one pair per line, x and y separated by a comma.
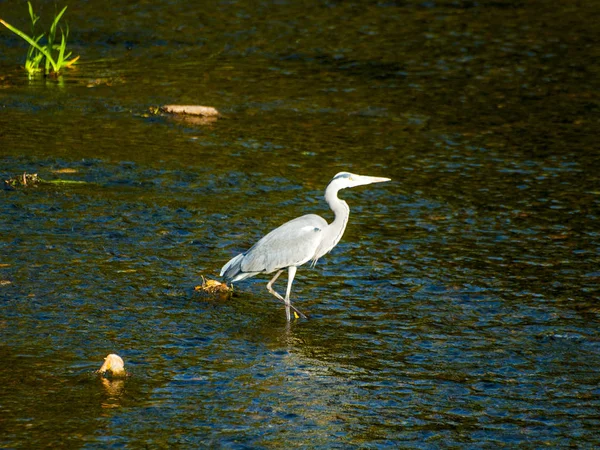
x,y
298,241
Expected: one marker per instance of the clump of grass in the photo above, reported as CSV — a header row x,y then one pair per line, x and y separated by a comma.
x,y
50,57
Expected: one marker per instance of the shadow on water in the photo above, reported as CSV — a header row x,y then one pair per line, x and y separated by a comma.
x,y
459,309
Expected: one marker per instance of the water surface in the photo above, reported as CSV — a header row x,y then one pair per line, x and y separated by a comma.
x,y
460,308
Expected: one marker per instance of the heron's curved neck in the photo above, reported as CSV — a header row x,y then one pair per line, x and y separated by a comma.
x,y
339,207
336,229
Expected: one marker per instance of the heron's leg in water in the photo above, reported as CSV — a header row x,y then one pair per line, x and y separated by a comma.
x,y
270,286
288,303
276,294
291,275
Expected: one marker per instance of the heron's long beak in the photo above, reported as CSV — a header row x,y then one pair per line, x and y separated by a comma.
x,y
363,179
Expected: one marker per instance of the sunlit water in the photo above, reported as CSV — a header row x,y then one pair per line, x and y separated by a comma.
x,y
460,308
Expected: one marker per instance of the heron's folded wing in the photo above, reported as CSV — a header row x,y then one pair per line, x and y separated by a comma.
x,y
292,244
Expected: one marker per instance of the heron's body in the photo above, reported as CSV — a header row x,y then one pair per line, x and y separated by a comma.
x,y
298,241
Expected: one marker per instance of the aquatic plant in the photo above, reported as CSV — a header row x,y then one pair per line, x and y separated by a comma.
x,y
40,57
31,179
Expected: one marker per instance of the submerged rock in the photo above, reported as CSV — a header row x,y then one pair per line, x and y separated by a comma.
x,y
113,365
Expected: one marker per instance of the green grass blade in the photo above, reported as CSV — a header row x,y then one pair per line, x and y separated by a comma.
x,y
34,18
52,34
61,50
65,181
34,57
57,18
33,43
39,54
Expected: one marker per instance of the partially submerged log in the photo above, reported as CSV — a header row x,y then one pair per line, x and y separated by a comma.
x,y
192,110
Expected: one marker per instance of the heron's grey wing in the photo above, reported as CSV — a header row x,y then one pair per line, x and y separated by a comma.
x,y
292,244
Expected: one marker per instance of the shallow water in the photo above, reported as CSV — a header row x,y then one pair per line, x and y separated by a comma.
x,y
461,306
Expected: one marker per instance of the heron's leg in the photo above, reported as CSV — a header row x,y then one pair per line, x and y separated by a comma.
x,y
276,294
288,303
270,286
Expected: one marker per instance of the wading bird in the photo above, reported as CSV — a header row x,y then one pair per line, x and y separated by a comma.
x,y
298,241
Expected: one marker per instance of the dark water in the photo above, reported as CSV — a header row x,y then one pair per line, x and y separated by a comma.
x,y
461,308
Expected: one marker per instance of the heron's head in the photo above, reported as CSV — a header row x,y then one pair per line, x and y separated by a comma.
x,y
345,180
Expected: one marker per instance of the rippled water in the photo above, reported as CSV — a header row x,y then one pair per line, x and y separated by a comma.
x,y
459,310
